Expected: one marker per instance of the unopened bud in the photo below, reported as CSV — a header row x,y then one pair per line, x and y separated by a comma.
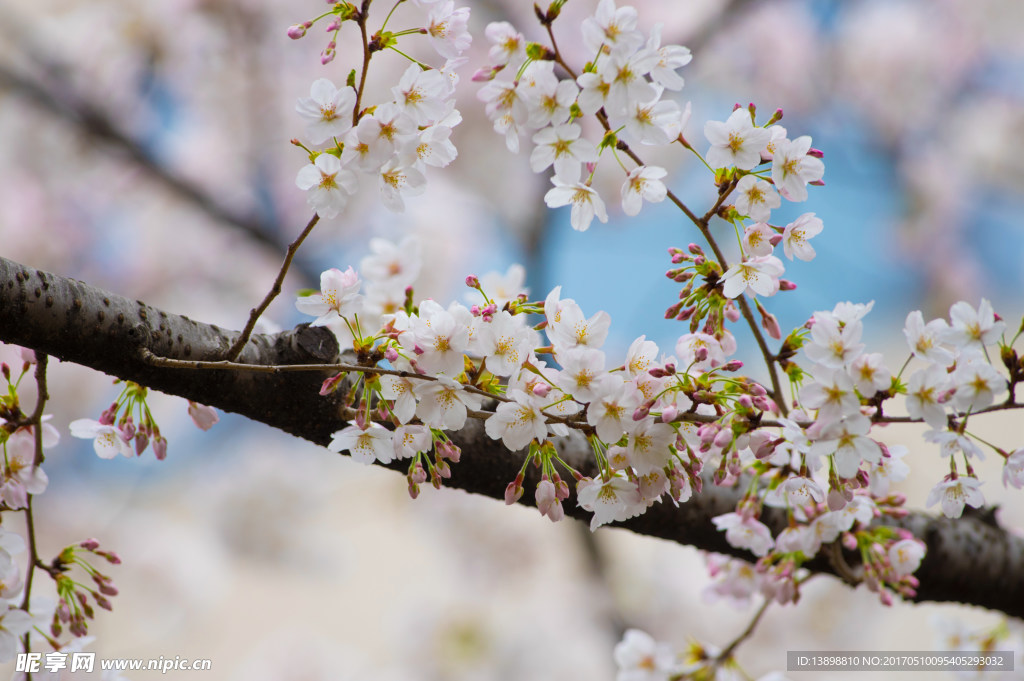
x,y
327,56
514,491
160,448
472,281
786,285
297,31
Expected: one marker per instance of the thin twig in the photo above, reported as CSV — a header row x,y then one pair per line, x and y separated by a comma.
x,y
730,649
236,349
42,395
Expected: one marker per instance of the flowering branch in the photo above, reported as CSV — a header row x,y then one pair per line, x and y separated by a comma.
x,y
968,560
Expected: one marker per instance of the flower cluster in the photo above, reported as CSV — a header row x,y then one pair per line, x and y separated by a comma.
x,y
391,143
24,442
622,87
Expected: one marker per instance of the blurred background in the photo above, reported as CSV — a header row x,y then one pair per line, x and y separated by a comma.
x,y
144,148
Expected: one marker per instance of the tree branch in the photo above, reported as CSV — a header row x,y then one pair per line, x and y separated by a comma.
x,y
969,560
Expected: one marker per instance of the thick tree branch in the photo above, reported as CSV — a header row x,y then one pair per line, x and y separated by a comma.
x,y
969,560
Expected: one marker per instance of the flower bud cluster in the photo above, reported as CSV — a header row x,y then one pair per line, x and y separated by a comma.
x,y
74,608
116,432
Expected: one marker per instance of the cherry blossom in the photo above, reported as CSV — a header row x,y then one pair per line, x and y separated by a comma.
x,y
796,234
586,204
670,58
364,445
970,328
108,440
905,556
643,183
611,26
792,168
328,110
755,198
640,658
891,468
755,276
517,423
448,30
400,178
609,500
562,146
339,297
328,183
757,239
924,339
421,94
507,44
1013,470
953,494
411,440
443,403
745,532
611,409
735,142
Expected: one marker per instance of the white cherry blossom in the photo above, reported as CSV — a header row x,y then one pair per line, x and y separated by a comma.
x,y
755,198
328,110
792,168
328,183
643,183
735,142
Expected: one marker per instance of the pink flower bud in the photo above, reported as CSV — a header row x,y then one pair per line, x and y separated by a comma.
x,y
297,31
109,415
732,313
205,417
327,56
723,438
695,249
541,389
771,325
836,501
160,448
101,601
414,490
816,153
141,442
669,413
786,285
472,281
545,495
90,544
732,365
513,492
418,475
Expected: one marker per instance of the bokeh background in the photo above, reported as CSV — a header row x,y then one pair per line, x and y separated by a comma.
x,y
144,148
